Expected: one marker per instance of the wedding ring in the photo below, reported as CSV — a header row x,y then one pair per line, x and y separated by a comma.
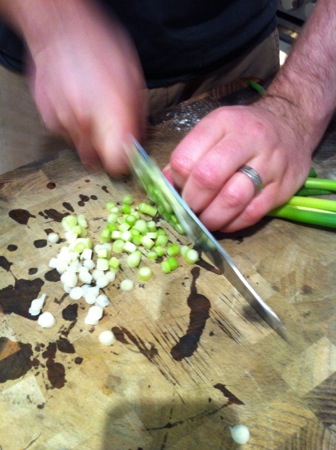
x,y
253,176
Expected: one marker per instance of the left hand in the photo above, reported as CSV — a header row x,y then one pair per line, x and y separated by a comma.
x,y
205,165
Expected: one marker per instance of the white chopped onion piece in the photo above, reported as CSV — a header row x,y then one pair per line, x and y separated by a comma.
x,y
106,337
87,254
53,238
76,293
97,274
62,266
102,282
102,264
110,275
240,434
94,314
126,285
46,320
102,300
91,295
85,276
69,278
53,263
89,264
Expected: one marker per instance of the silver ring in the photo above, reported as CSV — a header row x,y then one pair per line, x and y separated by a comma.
x,y
253,176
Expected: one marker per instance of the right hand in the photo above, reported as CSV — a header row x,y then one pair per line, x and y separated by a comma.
x,y
88,86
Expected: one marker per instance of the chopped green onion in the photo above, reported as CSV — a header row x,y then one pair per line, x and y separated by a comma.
x,y
133,260
114,262
129,247
147,242
147,209
105,235
110,205
145,273
141,226
191,256
161,240
118,246
126,208
173,249
127,199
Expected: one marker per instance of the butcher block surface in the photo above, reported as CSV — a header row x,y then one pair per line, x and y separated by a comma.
x,y
191,357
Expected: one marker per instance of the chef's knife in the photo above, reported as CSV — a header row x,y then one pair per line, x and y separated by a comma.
x,y
150,176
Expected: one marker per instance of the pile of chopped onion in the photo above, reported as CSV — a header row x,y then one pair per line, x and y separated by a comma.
x,y
130,238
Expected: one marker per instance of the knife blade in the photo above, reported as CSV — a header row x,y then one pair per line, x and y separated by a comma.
x,y
149,176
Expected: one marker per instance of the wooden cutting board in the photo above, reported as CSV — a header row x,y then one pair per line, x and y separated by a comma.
x,y
191,357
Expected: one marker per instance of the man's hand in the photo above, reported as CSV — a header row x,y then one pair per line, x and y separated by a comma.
x,y
85,78
205,166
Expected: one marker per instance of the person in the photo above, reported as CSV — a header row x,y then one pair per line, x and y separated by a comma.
x,y
92,81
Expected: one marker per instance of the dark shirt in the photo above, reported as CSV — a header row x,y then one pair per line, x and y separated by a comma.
x,y
179,39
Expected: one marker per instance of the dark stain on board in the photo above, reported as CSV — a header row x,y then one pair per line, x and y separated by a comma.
x,y
199,313
70,312
65,346
68,206
20,216
53,214
124,336
18,363
55,370
17,298
5,264
12,247
40,243
52,275
83,199
51,185
233,400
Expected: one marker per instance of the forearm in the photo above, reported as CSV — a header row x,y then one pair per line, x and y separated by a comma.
x,y
40,21
306,84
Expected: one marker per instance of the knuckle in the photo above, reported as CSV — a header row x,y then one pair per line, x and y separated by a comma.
x,y
207,176
181,164
233,197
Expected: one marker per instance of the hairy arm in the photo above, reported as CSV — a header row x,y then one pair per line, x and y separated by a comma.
x,y
276,136
306,84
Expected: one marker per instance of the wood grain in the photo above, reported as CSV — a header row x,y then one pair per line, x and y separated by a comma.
x,y
169,382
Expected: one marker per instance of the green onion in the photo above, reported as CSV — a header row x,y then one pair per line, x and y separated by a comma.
x,y
256,86
298,214
313,203
320,183
307,192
